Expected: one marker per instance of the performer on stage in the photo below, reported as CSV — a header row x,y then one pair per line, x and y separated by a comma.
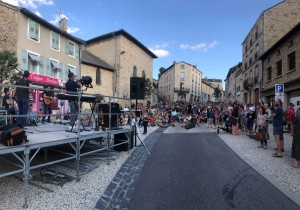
x,y
72,86
48,99
22,95
9,106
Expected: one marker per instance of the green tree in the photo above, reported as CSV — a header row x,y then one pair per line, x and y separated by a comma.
x,y
148,87
217,93
161,70
8,62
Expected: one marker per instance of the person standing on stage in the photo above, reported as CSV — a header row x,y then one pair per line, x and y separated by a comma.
x,y
47,106
7,103
72,86
22,95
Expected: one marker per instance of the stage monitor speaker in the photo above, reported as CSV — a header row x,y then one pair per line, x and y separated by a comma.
x,y
103,117
137,88
121,137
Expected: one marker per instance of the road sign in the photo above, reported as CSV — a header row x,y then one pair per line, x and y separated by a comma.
x,y
279,96
279,88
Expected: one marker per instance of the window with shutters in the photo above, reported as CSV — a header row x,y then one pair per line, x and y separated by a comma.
x,y
33,30
55,68
292,61
33,62
55,41
279,68
98,76
73,69
72,49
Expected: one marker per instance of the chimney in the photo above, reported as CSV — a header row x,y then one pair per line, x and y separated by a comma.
x,y
205,79
174,62
63,24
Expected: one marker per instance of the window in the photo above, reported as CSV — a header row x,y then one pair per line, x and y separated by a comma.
x,y
169,77
98,76
70,68
54,69
192,78
134,73
33,30
72,49
169,87
182,66
181,76
55,41
269,72
143,74
251,41
33,63
279,68
292,61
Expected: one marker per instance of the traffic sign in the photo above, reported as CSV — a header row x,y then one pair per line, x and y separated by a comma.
x,y
279,88
279,96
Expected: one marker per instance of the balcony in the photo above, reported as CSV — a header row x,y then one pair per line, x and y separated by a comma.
x,y
255,79
247,84
181,90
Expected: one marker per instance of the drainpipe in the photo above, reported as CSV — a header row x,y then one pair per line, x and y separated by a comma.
x,y
116,68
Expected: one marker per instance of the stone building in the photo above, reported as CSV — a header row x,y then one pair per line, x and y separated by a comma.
x,y
180,81
217,83
281,65
128,56
272,24
233,83
207,92
45,50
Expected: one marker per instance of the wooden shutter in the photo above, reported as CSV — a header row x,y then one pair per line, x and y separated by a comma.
x,y
48,67
60,70
76,50
31,32
37,28
66,72
24,65
41,64
67,47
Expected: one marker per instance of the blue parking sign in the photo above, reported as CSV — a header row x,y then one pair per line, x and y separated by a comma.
x,y
279,88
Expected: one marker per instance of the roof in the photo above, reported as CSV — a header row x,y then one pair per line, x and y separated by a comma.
x,y
232,69
282,39
208,85
263,12
127,35
91,59
214,80
50,26
181,62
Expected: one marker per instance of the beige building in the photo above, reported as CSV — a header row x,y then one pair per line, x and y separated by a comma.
x,y
217,83
207,92
281,65
271,25
233,83
48,52
181,81
128,56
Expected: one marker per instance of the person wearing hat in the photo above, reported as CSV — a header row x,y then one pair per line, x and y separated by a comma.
x,y
7,103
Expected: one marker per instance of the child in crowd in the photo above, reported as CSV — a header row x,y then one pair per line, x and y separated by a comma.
x,y
217,117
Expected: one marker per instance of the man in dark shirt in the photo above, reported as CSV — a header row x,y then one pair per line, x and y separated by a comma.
x,y
22,95
278,129
72,86
47,107
7,103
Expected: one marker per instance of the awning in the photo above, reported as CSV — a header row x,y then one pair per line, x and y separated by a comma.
x,y
72,69
55,64
33,57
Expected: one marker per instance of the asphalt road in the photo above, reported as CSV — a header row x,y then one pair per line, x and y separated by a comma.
x,y
199,171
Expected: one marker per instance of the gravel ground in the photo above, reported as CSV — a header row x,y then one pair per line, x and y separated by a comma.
x,y
279,168
72,195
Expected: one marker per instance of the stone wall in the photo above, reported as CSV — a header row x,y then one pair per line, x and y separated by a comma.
x,y
8,27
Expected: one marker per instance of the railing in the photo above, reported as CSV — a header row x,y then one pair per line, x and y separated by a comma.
x,y
182,90
247,84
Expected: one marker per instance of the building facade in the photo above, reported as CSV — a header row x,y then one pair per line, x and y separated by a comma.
x,y
281,65
48,52
217,83
233,83
181,81
271,25
207,92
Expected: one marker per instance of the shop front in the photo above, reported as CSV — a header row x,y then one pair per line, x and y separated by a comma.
x,y
36,96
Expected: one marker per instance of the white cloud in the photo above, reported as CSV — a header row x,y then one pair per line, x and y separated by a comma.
x,y
160,52
214,43
58,18
184,46
72,30
38,14
198,47
30,3
12,2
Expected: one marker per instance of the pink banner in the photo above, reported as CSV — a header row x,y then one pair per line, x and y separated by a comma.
x,y
44,79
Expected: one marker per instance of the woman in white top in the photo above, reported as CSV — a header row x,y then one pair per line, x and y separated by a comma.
x,y
261,122
268,113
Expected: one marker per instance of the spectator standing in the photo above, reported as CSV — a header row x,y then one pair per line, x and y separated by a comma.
x,y
210,115
268,113
250,119
234,116
278,129
145,123
291,117
217,117
296,140
261,123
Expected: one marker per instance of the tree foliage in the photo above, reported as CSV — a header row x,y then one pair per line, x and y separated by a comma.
x,y
148,87
8,62
217,93
161,70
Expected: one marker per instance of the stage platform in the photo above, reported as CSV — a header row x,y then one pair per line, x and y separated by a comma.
x,y
45,137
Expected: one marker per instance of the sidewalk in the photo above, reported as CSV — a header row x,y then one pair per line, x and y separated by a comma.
x,y
278,168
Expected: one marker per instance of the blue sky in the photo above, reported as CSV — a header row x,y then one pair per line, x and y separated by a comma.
x,y
205,33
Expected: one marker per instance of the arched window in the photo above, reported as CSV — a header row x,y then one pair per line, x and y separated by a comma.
x,y
134,73
98,76
143,74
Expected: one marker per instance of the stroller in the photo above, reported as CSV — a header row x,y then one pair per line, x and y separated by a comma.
x,y
226,126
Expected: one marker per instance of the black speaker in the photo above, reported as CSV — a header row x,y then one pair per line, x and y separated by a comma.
x,y
103,117
137,88
121,137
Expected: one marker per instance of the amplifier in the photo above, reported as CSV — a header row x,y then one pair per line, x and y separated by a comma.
x,y
103,117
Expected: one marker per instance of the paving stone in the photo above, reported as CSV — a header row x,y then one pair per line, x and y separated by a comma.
x,y
133,184
106,199
101,204
129,193
112,186
108,192
124,203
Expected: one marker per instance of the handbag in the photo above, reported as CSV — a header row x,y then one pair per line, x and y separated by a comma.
x,y
259,136
233,121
